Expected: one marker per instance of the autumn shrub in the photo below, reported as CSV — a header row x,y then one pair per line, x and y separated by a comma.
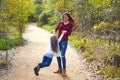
x,y
8,43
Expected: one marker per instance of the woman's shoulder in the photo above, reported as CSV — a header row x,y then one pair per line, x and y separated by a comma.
x,y
70,24
60,22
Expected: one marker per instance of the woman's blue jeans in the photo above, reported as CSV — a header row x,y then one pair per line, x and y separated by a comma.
x,y
63,47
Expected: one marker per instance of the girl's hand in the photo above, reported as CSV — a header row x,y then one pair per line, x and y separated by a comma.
x,y
64,31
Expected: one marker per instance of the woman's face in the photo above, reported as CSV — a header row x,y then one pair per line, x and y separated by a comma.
x,y
65,18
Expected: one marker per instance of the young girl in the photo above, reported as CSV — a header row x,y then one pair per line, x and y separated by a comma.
x,y
52,50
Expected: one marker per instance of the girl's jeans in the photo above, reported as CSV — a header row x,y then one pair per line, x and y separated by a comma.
x,y
45,62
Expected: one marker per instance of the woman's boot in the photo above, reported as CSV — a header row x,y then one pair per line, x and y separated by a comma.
x,y
59,71
63,72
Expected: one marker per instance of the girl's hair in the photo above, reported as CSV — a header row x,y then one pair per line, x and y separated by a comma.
x,y
54,43
70,18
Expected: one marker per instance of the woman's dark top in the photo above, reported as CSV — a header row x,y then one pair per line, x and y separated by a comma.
x,y
61,26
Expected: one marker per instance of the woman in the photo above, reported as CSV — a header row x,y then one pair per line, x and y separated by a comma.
x,y
64,27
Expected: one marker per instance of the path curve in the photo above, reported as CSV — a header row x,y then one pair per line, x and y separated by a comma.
x,y
28,56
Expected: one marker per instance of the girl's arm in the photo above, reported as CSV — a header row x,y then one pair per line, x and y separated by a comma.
x,y
60,38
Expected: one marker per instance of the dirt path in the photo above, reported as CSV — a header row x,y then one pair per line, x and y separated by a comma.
x,y
28,56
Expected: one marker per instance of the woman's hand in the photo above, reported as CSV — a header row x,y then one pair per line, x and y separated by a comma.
x,y
64,31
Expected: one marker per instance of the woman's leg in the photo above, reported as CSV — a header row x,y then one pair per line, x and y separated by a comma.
x,y
63,47
59,61
58,58
63,51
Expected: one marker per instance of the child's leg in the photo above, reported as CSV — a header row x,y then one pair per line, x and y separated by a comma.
x,y
37,68
46,63
44,59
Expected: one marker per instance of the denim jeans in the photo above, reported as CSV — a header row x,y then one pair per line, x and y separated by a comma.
x,y
45,62
63,47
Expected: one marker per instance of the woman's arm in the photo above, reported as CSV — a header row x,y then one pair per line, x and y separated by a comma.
x,y
69,31
56,29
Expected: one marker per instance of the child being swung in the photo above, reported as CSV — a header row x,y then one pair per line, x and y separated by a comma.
x,y
52,50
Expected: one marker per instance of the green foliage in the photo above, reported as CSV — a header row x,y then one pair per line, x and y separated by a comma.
x,y
8,43
13,17
77,43
101,25
48,28
89,56
99,50
43,19
65,6
96,12
15,14
46,12
112,72
72,38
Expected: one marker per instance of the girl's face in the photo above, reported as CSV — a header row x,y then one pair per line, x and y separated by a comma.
x,y
65,18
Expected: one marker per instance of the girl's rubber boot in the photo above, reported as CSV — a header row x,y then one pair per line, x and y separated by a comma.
x,y
37,69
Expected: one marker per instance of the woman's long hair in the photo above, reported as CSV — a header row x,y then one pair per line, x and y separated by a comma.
x,y
54,43
70,18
